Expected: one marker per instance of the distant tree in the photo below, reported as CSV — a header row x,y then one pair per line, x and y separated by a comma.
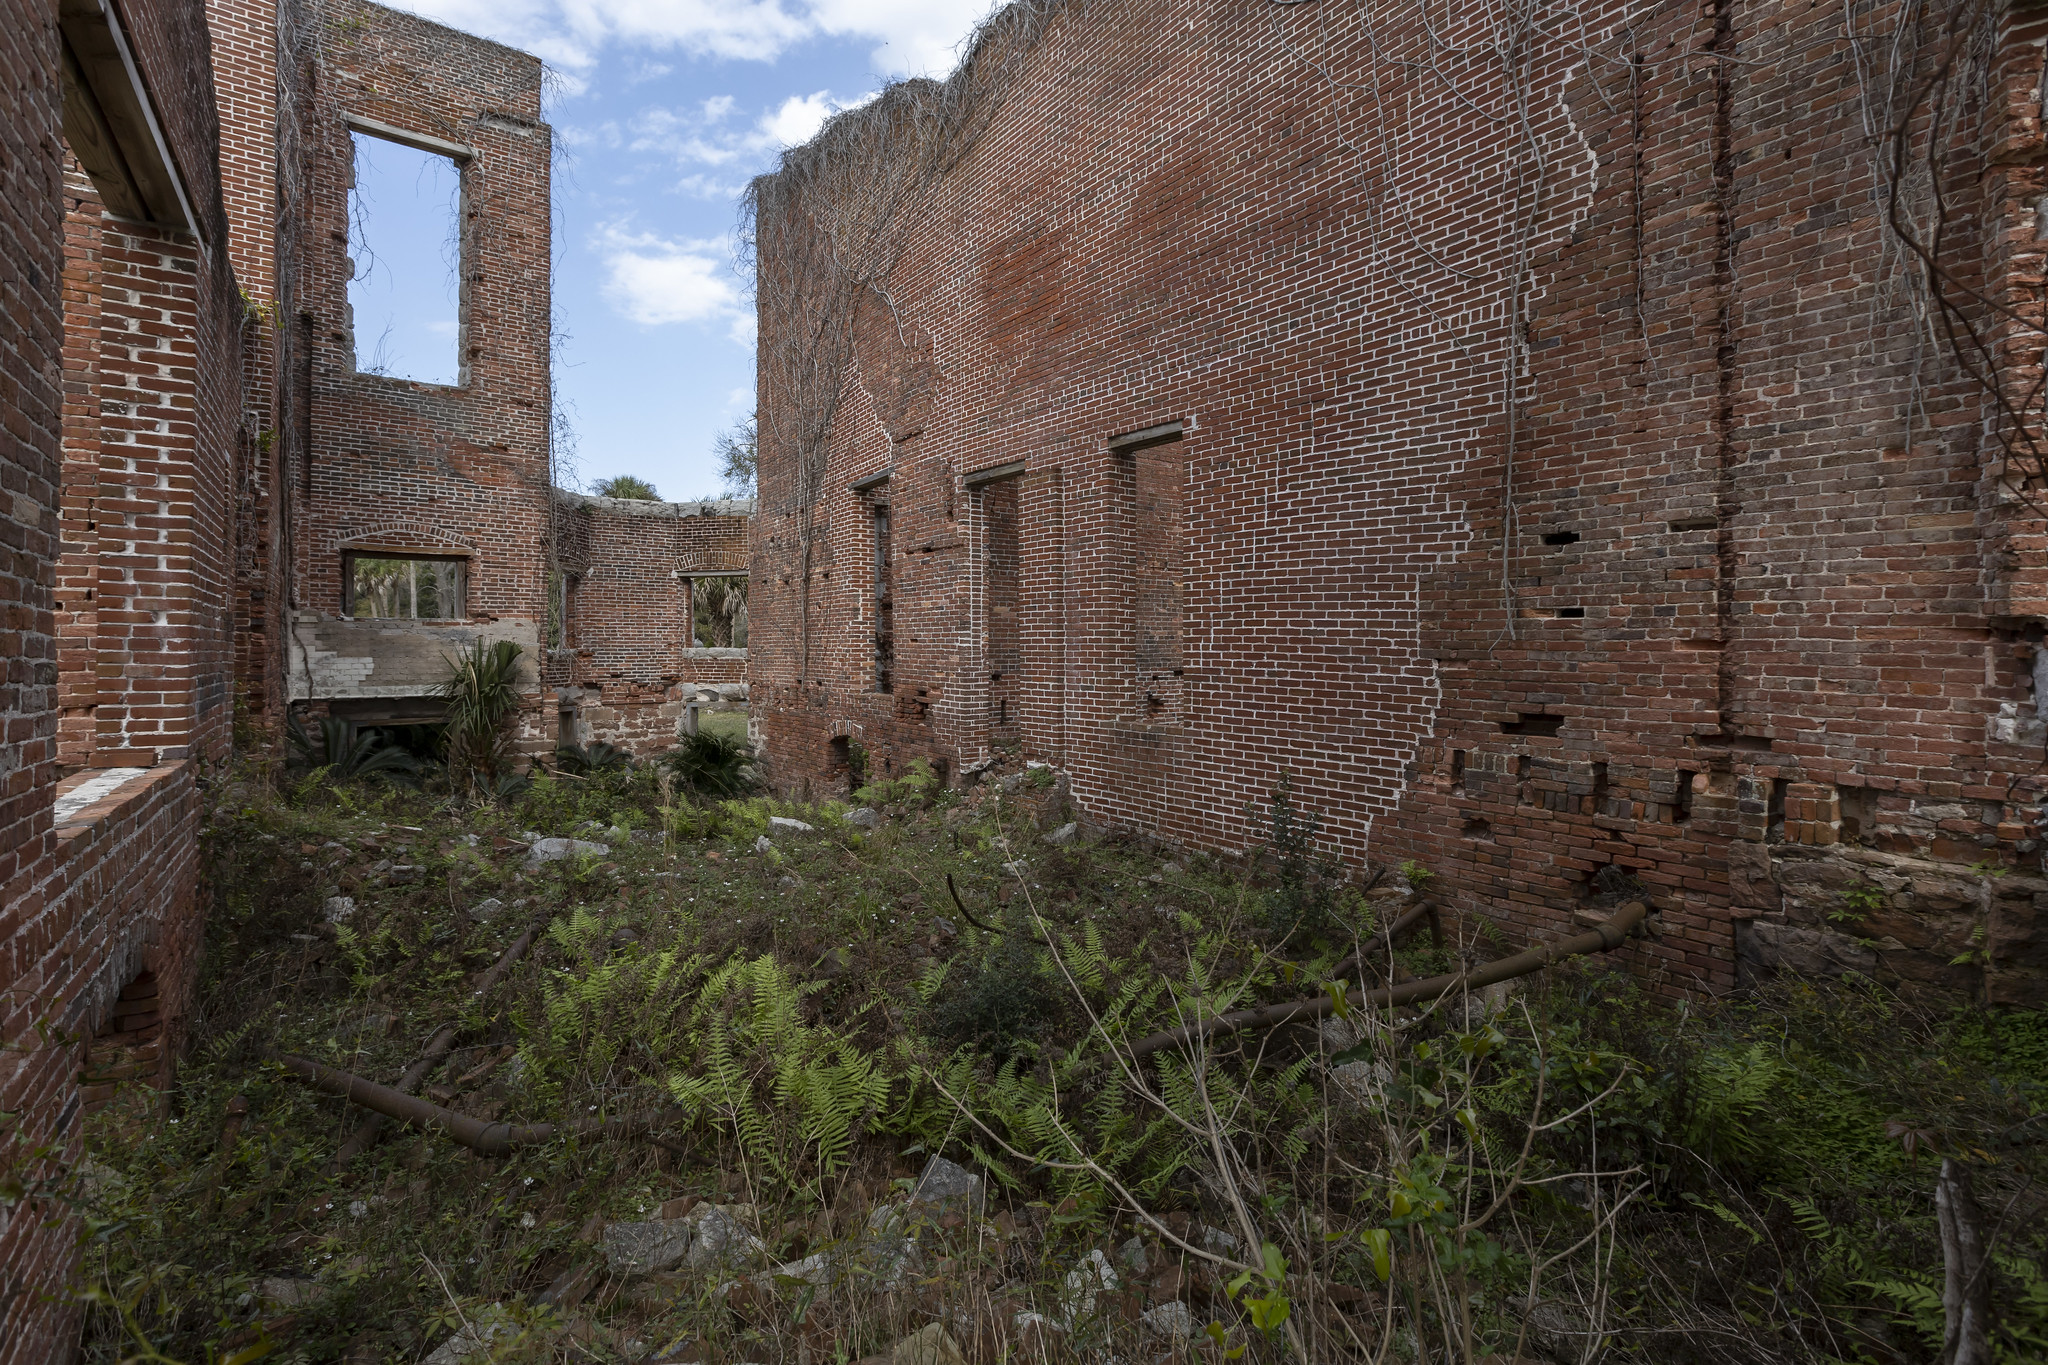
x,y
626,486
737,448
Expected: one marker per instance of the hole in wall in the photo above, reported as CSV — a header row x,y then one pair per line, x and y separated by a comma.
x,y
1774,826
1478,829
1571,613
1696,524
1532,723
1858,813
1458,770
1597,803
1681,796
1561,538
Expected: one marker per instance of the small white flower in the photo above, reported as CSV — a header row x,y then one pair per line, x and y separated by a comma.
x,y
357,1209
526,1220
529,1180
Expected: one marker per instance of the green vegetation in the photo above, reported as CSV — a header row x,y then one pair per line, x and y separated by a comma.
x,y
1578,1168
625,486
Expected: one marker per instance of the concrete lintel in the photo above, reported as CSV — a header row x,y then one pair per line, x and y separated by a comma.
x,y
405,137
871,481
1145,436
994,472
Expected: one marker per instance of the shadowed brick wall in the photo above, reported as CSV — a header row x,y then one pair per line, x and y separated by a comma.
x,y
1562,479
121,426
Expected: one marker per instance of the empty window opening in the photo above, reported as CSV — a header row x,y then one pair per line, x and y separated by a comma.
x,y
1002,640
1571,613
405,256
408,587
1458,771
127,1048
1159,574
1774,829
1695,524
1596,804
885,607
1561,538
1532,723
1681,796
1477,828
565,728
718,611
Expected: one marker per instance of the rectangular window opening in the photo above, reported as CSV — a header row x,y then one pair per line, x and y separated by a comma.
x,y
1774,829
1000,511
1597,804
1458,770
885,608
1695,524
1159,574
1561,538
405,261
405,587
1532,723
718,611
1571,613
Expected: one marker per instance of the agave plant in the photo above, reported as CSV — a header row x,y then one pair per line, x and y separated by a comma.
x,y
482,692
347,753
713,764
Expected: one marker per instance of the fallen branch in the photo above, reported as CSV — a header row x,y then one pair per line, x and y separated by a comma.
x,y
437,1049
1601,939
486,1139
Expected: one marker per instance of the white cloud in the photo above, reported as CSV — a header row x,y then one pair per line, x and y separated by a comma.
x,y
654,282
796,121
911,37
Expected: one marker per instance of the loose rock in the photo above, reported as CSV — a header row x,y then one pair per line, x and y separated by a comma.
x,y
931,1344
339,908
947,1183
554,850
1065,834
484,911
784,825
864,817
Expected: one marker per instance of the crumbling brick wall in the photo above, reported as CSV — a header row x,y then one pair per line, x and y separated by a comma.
x,y
119,540
626,670
396,465
1549,500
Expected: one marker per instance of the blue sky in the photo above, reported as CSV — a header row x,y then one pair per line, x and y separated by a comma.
x,y
663,109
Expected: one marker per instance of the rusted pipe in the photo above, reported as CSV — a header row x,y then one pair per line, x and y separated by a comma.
x,y
484,1138
437,1049
1603,938
1391,935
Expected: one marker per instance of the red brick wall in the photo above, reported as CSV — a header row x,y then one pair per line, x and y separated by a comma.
x,y
1584,389
628,668
397,464
117,550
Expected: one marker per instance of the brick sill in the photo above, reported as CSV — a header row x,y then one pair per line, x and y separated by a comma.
x,y
78,827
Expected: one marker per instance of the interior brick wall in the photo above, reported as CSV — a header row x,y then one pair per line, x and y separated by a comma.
x,y
627,664
392,463
1488,561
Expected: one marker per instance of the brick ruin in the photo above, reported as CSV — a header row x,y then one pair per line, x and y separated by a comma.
x,y
191,457
1551,452
642,651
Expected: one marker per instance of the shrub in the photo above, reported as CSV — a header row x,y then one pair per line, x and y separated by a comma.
x,y
712,764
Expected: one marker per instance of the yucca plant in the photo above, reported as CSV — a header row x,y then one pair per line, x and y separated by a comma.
x,y
482,692
713,764
594,757
346,753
